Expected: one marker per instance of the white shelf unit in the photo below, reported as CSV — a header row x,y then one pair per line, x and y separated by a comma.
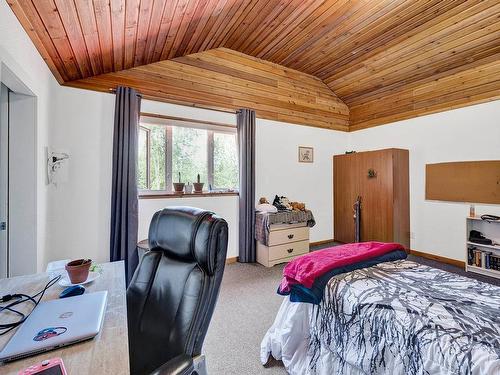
x,y
489,229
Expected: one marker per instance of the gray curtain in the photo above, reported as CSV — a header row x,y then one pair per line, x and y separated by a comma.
x,y
124,216
246,145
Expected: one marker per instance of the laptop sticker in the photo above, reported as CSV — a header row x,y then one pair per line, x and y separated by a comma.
x,y
65,315
47,333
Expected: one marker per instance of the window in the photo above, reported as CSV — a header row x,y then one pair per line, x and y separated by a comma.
x,y
169,148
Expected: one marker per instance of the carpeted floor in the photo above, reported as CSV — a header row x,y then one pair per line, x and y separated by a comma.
x,y
245,310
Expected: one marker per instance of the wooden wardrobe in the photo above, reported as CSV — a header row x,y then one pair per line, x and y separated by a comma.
x,y
381,179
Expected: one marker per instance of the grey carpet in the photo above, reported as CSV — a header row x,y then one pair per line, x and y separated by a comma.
x,y
245,310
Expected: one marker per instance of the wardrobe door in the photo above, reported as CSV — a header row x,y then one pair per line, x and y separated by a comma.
x,y
345,189
376,190
401,177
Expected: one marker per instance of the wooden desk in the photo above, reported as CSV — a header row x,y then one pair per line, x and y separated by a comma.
x,y
107,353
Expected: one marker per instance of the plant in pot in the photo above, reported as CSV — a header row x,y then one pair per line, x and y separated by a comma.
x,y
198,186
188,189
179,186
78,270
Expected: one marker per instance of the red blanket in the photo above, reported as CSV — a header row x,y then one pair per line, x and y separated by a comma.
x,y
306,268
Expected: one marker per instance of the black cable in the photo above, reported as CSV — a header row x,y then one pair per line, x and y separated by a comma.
x,y
7,327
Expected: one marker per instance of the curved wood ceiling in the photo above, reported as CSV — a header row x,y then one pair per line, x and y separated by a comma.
x,y
386,59
225,79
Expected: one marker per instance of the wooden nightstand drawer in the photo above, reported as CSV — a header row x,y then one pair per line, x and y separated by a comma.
x,y
288,250
284,236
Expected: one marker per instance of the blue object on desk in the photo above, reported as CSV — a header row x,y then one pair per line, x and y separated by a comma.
x,y
71,291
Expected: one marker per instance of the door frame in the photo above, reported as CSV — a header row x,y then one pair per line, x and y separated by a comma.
x,y
23,150
4,179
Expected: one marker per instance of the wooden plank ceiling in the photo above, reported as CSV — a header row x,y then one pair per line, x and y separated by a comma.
x,y
386,59
225,79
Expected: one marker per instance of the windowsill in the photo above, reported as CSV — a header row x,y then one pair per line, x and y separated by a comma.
x,y
165,195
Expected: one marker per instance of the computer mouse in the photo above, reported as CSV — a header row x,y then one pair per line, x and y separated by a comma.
x,y
71,291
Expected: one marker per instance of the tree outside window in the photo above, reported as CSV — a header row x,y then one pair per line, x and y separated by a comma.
x,y
167,148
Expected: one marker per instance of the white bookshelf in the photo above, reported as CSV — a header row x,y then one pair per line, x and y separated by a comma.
x,y
491,230
494,247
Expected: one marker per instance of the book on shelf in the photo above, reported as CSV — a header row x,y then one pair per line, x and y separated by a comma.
x,y
495,262
483,246
470,255
487,259
477,258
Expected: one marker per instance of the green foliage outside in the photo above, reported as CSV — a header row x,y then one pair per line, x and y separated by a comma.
x,y
142,162
189,157
157,164
225,161
157,157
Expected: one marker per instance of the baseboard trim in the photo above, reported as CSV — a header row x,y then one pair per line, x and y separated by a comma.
x,y
453,262
231,260
317,243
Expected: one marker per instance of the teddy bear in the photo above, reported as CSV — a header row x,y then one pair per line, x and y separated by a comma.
x,y
298,206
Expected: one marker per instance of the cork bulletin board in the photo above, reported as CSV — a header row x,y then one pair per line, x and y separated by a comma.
x,y
466,181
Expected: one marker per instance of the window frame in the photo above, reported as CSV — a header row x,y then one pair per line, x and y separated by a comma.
x,y
169,122
148,156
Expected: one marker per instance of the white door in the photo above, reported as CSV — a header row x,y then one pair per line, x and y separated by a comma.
x,y
22,184
4,180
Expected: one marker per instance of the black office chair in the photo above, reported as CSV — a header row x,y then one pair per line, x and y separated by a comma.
x,y
172,295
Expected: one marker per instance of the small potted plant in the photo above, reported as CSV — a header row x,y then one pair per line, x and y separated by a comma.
x,y
179,186
198,186
188,189
78,270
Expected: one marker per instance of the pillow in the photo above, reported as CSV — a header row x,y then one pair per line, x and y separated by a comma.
x,y
266,207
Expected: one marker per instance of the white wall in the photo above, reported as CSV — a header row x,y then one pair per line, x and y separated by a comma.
x,y
82,125
278,171
18,53
470,133
224,206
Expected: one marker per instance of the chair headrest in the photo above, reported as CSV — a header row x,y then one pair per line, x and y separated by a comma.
x,y
187,234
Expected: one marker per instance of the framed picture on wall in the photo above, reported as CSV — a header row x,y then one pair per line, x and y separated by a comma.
x,y
306,154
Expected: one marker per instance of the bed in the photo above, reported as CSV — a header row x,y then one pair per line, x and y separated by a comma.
x,y
393,318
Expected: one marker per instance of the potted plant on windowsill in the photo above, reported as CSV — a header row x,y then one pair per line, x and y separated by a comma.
x,y
198,186
179,186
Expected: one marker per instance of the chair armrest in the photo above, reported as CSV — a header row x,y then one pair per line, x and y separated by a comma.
x,y
180,365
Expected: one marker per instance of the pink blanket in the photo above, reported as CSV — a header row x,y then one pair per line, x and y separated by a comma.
x,y
306,268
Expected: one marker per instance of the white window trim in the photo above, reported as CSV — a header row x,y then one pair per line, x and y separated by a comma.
x,y
168,122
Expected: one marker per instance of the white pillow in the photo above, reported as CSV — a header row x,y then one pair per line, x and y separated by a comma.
x,y
266,207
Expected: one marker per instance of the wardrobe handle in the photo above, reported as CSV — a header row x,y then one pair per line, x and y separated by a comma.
x,y
289,251
290,236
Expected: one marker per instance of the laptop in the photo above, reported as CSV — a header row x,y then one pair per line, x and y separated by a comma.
x,y
57,323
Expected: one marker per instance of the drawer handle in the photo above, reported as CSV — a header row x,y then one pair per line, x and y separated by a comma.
x,y
289,251
290,236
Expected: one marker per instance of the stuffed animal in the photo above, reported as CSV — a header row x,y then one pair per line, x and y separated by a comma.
x,y
282,203
298,206
263,200
286,202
